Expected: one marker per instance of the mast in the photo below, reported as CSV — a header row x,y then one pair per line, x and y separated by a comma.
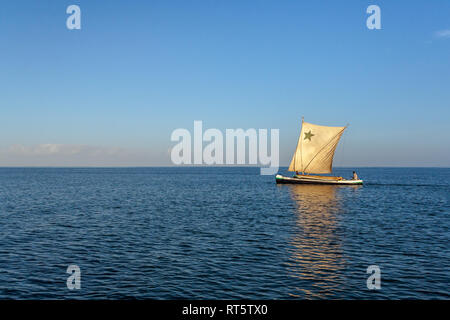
x,y
301,156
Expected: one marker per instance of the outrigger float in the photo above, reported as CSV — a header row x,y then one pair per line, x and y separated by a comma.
x,y
314,155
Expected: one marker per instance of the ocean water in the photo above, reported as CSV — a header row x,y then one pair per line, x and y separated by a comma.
x,y
222,233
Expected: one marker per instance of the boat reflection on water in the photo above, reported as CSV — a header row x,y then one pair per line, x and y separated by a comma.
x,y
316,258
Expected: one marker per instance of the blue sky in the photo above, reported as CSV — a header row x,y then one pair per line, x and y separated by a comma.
x,y
112,92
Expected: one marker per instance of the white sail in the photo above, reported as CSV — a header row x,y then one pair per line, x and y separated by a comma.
x,y
315,148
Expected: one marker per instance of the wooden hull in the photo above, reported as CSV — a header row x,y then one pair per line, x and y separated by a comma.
x,y
314,180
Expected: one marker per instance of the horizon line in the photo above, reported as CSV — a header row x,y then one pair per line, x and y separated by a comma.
x,y
204,166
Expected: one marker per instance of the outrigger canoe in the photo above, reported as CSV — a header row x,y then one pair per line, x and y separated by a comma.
x,y
307,179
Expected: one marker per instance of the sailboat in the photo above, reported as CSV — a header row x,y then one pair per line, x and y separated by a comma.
x,y
314,155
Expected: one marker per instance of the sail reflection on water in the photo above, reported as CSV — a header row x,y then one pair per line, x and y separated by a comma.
x,y
316,258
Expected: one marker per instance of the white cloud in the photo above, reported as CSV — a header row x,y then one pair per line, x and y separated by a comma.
x,y
443,33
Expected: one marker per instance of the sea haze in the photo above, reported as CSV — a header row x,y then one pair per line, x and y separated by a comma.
x,y
222,233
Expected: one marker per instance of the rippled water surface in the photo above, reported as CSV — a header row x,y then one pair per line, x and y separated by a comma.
x,y
223,233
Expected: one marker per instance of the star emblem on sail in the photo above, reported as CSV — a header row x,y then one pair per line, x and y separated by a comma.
x,y
308,135
316,156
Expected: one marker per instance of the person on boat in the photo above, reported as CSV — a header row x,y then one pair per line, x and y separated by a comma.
x,y
355,176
